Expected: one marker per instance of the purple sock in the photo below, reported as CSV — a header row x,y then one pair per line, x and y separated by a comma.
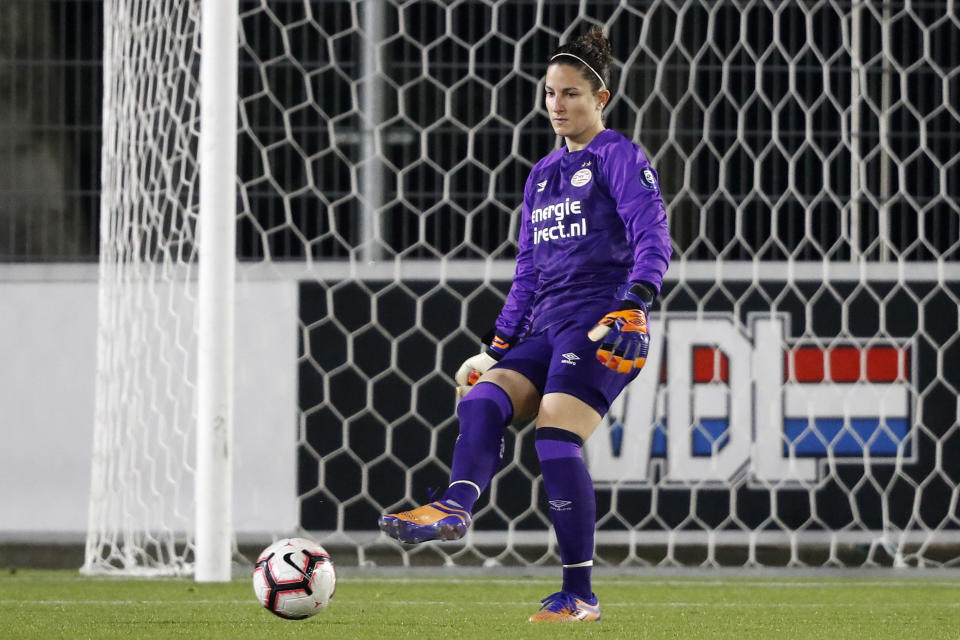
x,y
484,413
573,505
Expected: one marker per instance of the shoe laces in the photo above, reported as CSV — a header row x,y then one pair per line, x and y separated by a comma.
x,y
559,602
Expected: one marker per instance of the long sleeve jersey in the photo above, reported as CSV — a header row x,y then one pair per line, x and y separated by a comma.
x,y
593,220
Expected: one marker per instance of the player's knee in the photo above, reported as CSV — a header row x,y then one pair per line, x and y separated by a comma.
x,y
485,404
524,397
564,411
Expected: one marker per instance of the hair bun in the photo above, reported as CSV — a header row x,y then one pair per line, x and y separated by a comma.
x,y
596,41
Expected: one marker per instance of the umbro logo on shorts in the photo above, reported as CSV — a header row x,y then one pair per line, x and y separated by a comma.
x,y
570,358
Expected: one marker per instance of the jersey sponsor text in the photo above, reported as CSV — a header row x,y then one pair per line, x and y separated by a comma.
x,y
558,211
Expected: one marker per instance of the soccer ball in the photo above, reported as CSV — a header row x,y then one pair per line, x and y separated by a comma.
x,y
294,578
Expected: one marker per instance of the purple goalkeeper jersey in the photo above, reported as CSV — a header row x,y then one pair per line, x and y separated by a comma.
x,y
592,220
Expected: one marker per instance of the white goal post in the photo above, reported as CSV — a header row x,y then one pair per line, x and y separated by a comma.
x,y
799,407
216,300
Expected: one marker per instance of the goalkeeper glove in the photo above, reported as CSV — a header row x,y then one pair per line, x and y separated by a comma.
x,y
475,366
624,333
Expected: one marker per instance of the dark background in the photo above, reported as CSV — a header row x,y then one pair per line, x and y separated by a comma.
x,y
729,115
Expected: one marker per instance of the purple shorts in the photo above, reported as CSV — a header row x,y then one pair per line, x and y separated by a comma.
x,y
562,359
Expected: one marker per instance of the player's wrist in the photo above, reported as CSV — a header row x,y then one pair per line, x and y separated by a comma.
x,y
636,295
498,346
497,343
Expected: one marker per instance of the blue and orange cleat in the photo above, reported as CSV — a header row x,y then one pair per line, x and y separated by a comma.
x,y
566,607
439,520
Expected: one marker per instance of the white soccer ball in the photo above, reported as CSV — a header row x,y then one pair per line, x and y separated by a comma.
x,y
294,578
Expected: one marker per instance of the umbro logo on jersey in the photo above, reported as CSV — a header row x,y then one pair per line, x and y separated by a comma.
x,y
541,186
560,505
569,358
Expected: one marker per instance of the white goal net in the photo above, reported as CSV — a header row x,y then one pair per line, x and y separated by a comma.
x,y
799,407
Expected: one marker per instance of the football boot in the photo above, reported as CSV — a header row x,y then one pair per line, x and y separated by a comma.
x,y
438,520
566,607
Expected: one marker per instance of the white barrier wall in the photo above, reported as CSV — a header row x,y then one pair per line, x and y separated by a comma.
x,y
48,320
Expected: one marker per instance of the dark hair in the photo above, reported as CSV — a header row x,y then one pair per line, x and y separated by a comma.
x,y
594,49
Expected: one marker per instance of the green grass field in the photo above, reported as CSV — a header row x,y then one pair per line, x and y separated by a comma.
x,y
63,604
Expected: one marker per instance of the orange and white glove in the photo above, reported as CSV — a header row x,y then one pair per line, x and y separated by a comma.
x,y
624,335
475,366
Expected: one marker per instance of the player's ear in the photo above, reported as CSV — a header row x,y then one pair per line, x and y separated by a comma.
x,y
603,97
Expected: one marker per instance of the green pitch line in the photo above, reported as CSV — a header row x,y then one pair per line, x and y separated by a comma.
x,y
63,604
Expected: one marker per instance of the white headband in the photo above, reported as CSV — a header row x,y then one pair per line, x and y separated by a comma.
x,y
603,85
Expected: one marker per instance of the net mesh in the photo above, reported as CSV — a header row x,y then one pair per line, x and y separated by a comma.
x,y
142,476
800,407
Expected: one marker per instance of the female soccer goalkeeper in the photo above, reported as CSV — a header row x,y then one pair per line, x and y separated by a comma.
x,y
572,333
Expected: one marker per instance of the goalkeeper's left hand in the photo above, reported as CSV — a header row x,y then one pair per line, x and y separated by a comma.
x,y
472,368
624,333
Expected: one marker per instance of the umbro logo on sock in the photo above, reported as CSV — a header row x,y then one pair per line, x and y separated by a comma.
x,y
560,505
570,358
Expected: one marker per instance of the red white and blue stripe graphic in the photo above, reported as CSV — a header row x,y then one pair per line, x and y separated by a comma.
x,y
865,409
844,401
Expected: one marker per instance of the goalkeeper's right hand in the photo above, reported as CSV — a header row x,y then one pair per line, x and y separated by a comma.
x,y
475,366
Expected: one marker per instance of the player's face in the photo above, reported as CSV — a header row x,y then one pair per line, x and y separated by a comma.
x,y
575,110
